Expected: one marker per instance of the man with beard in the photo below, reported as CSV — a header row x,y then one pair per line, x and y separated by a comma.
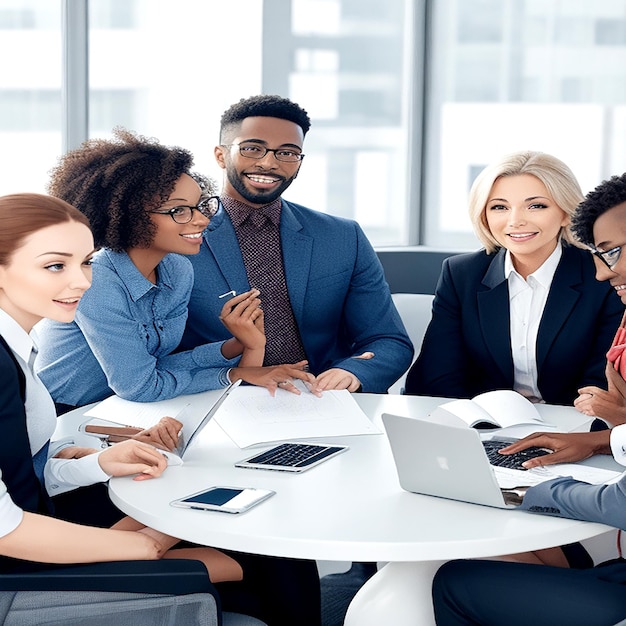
x,y
327,306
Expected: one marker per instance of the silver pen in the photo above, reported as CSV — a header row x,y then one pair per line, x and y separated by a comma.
x,y
232,293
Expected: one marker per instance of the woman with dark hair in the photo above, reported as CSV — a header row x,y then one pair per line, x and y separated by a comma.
x,y
147,210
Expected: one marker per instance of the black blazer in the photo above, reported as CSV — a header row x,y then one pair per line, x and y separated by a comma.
x,y
16,460
467,346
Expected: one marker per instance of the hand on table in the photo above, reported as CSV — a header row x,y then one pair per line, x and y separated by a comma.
x,y
74,452
132,457
609,405
567,447
335,379
163,435
274,376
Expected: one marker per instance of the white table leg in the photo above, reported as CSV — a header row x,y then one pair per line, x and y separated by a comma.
x,y
398,594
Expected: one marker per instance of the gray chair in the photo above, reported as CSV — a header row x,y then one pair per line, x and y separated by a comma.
x,y
172,592
415,309
66,608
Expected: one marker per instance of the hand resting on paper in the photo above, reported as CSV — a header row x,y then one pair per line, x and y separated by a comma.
x,y
567,447
274,376
336,378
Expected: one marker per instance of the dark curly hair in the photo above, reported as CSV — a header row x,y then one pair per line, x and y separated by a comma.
x,y
605,196
263,106
114,182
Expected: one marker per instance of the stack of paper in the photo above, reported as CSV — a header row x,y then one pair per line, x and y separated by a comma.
x,y
250,416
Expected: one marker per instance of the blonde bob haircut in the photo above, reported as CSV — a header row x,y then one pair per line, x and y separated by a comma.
x,y
557,177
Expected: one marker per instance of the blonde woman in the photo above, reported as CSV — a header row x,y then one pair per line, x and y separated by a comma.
x,y
525,312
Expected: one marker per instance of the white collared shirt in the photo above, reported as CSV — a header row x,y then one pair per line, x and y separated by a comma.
x,y
618,443
41,415
527,299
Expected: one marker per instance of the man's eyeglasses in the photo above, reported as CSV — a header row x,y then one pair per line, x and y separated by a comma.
x,y
257,151
610,257
184,213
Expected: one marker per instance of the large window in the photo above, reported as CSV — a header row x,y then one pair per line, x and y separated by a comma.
x,y
169,70
409,98
509,75
30,93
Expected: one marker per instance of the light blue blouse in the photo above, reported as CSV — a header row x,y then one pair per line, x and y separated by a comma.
x,y
122,338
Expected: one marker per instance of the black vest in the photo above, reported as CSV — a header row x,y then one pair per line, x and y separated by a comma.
x,y
16,460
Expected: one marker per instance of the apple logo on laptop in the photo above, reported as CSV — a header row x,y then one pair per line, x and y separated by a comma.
x,y
442,461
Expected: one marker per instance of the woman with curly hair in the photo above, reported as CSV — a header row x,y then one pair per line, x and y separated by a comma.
x,y
147,210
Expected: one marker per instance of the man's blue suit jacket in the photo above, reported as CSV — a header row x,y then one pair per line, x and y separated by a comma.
x,y
337,289
467,347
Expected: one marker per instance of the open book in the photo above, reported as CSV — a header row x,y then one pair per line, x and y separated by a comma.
x,y
493,409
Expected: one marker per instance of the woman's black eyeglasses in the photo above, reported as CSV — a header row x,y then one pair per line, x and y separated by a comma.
x,y
183,213
610,257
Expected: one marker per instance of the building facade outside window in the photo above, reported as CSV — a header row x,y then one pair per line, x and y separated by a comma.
x,y
409,98
510,75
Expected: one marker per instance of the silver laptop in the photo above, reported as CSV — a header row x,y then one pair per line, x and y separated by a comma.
x,y
292,457
103,429
437,459
185,441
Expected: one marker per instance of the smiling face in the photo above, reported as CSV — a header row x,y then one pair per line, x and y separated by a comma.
x,y
47,275
259,181
524,219
171,236
609,231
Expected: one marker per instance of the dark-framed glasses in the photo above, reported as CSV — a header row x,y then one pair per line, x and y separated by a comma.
x,y
610,257
183,213
252,150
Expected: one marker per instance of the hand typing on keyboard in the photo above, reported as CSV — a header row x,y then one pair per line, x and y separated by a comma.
x,y
565,447
516,460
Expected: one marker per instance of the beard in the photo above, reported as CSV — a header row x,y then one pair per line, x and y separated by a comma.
x,y
255,197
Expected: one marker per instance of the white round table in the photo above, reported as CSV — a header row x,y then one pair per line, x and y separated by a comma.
x,y
350,508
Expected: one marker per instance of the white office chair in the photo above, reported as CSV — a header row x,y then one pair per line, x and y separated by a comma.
x,y
415,309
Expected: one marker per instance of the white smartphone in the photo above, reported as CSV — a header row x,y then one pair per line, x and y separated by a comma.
x,y
225,499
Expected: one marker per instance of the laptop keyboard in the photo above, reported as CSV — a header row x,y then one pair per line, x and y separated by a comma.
x,y
293,455
512,461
